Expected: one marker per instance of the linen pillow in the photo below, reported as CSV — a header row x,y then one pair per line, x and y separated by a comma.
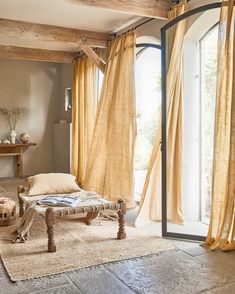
x,y
52,183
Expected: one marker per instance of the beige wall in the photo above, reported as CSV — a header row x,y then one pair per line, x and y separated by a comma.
x,y
66,75
151,29
35,86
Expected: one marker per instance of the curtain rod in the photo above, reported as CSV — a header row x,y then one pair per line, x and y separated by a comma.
x,y
141,24
131,29
177,1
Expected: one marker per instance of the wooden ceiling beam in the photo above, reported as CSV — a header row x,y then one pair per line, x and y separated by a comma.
x,y
40,32
145,8
21,53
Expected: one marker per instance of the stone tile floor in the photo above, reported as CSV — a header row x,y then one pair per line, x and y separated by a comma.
x,y
190,269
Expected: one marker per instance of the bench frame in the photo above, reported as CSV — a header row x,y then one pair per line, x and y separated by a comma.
x,y
92,213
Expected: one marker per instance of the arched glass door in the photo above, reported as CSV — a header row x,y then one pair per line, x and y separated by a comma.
x,y
199,75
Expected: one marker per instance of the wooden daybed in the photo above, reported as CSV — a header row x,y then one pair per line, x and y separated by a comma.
x,y
91,208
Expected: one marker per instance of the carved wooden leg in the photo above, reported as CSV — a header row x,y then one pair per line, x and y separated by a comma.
x,y
20,164
121,220
91,216
21,203
50,222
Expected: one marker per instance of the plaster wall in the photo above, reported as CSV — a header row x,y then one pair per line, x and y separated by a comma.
x,y
66,77
35,86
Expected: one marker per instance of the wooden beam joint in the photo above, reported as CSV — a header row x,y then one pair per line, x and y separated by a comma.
x,y
93,56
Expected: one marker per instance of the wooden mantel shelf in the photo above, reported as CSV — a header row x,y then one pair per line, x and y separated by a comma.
x,y
17,151
2,145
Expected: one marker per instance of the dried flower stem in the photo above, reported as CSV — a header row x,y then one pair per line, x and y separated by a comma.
x,y
12,116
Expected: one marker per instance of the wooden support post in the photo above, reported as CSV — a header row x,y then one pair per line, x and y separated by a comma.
x,y
50,222
121,220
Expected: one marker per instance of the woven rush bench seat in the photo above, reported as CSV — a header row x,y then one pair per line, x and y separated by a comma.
x,y
92,206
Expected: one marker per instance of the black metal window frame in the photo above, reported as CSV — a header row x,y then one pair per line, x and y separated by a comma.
x,y
148,45
165,232
145,46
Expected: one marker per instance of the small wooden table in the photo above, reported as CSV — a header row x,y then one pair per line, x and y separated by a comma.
x,y
17,151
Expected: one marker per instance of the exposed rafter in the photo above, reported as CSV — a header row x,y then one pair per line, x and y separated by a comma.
x,y
93,56
48,33
147,8
21,53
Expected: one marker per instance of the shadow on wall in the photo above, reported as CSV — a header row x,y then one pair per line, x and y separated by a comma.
x,y
35,86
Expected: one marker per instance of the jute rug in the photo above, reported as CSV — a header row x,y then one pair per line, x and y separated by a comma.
x,y
78,246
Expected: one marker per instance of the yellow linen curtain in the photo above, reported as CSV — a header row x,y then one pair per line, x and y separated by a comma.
x,y
84,107
150,206
110,164
222,225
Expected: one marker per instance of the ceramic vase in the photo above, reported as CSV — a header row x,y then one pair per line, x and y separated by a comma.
x,y
13,136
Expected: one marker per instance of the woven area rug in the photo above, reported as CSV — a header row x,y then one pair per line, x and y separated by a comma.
x,y
78,246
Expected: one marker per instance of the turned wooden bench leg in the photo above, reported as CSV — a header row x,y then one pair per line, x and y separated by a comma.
x,y
91,216
21,207
20,189
50,222
121,220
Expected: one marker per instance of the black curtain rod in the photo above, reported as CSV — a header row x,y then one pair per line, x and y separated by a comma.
x,y
132,29
177,1
150,19
143,23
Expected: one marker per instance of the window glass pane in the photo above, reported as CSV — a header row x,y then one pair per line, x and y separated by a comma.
x,y
148,104
208,97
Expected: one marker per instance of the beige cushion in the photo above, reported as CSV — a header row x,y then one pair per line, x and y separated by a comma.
x,y
54,183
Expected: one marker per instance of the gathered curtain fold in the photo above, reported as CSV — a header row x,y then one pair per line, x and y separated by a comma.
x,y
84,107
109,169
222,222
150,206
